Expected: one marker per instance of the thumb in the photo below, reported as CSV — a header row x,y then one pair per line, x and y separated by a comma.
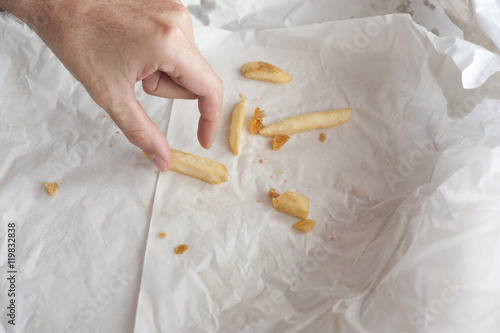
x,y
141,131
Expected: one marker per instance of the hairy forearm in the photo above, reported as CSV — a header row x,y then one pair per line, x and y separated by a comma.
x,y
35,13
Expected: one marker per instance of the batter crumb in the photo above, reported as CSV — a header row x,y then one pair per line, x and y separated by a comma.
x,y
163,234
256,123
117,132
51,188
322,137
260,161
273,193
279,140
181,249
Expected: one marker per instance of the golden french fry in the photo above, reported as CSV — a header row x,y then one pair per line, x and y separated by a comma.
x,y
237,120
198,167
307,122
292,204
262,71
305,225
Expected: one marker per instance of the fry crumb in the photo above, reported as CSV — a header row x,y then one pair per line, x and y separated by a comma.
x,y
286,180
163,234
322,137
117,132
161,213
105,116
279,140
258,201
273,193
51,188
156,171
332,237
256,123
181,249
305,225
260,161
111,145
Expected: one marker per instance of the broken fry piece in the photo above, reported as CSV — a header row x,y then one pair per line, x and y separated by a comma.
x,y
305,225
236,126
322,137
51,188
199,167
292,204
256,123
262,71
307,122
279,140
181,249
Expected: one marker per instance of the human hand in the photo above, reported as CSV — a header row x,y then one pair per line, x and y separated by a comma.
x,y
109,45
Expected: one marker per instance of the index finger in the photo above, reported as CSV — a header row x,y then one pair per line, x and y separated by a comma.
x,y
193,72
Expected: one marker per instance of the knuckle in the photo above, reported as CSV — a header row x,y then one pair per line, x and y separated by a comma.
x,y
170,32
179,12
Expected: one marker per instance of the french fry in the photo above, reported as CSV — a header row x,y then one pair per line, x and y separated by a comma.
x,y
262,71
305,225
307,122
292,204
198,167
237,120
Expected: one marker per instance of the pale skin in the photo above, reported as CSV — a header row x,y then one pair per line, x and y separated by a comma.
x,y
109,45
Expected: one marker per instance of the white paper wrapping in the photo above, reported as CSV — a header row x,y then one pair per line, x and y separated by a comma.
x,y
420,255
405,194
79,254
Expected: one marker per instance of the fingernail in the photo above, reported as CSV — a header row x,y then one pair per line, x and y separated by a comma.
x,y
159,162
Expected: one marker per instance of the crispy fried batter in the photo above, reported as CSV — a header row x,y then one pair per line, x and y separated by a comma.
x,y
256,123
279,140
273,194
181,249
52,188
163,234
322,137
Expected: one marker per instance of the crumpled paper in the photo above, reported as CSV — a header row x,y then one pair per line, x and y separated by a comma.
x,y
80,254
406,194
